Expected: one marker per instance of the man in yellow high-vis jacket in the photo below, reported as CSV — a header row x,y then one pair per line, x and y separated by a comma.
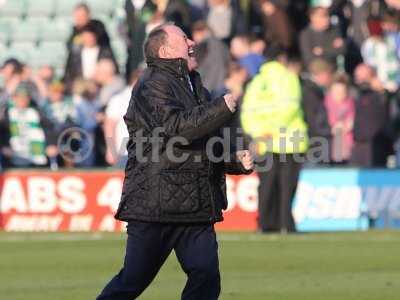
x,y
272,115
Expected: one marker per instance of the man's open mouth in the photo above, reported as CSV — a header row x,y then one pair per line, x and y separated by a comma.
x,y
191,52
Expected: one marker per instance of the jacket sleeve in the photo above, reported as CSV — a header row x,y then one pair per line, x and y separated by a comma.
x,y
329,49
306,47
159,108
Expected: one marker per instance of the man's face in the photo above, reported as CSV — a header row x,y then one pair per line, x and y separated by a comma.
x,y
7,71
178,44
363,74
325,78
21,100
81,17
89,39
320,19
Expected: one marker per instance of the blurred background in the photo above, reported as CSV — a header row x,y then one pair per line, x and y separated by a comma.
x,y
327,68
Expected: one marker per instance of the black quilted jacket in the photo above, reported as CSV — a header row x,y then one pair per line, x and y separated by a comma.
x,y
192,190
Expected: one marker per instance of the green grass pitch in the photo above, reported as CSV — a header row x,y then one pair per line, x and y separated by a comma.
x,y
323,266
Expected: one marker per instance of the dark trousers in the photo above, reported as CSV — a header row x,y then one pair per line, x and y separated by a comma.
x,y
276,191
149,245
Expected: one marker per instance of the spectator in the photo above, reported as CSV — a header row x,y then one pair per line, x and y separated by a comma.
x,y
369,122
391,29
43,78
61,113
82,18
225,19
88,119
30,80
278,29
60,110
320,78
320,39
82,63
24,130
340,108
358,11
212,56
241,50
174,11
110,82
138,14
257,45
234,82
379,52
115,130
220,18
271,111
11,71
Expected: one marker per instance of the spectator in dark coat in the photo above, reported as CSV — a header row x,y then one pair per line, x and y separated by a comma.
x,y
82,18
83,60
278,30
138,14
175,11
11,71
212,56
320,77
320,39
370,142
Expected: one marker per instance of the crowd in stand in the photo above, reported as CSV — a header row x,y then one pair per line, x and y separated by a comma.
x,y
340,59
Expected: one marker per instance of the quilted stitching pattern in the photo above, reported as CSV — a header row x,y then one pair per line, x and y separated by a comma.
x,y
179,192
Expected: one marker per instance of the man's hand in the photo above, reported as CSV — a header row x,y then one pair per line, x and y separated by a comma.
x,y
52,151
231,101
246,159
318,51
338,43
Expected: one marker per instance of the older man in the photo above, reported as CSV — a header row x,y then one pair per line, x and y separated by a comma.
x,y
174,188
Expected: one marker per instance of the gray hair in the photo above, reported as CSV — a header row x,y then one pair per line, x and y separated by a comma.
x,y
156,38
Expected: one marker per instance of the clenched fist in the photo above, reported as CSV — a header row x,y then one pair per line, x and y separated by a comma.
x,y
246,159
231,101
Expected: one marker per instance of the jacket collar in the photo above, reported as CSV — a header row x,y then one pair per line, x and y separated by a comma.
x,y
176,66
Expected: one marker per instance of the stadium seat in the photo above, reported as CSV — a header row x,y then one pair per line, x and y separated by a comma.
x,y
65,7
42,8
59,30
113,29
3,49
118,47
120,53
16,8
7,24
5,29
28,30
22,51
53,48
100,7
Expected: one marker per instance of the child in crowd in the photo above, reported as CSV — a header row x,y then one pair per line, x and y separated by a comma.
x,y
62,114
340,109
242,51
24,131
88,119
379,52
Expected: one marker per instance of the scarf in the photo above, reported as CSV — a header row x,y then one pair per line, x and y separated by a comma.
x,y
27,138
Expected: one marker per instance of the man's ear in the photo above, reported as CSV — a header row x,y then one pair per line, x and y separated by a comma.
x,y
163,52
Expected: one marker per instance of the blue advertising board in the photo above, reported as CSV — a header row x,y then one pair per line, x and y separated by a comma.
x,y
347,199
